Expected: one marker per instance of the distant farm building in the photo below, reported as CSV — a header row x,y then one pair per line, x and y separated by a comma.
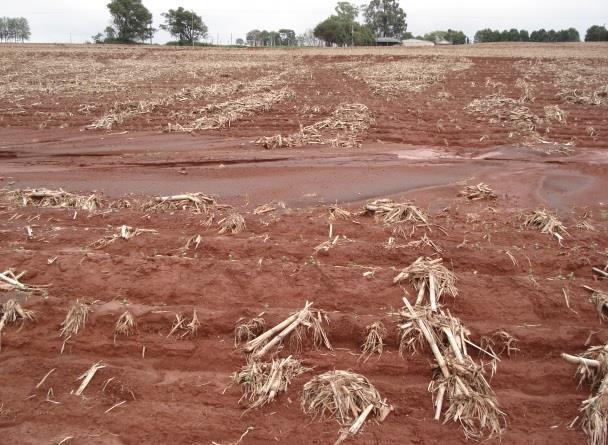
x,y
417,42
442,42
387,41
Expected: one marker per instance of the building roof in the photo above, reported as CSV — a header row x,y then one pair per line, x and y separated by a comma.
x,y
388,40
417,42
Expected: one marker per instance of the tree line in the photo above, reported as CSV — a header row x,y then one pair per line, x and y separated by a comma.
x,y
522,35
132,23
14,29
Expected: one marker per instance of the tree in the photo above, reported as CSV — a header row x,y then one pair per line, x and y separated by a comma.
x,y
596,34
16,29
287,37
524,36
240,42
132,21
347,11
253,37
385,18
186,26
308,39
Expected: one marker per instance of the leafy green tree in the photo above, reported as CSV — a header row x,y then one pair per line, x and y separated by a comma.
x,y
16,29
132,21
186,26
287,37
342,29
385,18
347,11
253,37
524,36
596,34
240,42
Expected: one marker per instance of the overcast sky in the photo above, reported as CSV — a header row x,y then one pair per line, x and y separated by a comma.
x,y
78,20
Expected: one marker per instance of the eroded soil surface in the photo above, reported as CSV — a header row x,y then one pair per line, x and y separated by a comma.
x,y
509,277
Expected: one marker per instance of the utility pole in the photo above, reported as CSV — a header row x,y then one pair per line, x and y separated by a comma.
x,y
218,39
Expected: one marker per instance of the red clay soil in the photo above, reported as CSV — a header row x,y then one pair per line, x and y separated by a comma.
x,y
182,388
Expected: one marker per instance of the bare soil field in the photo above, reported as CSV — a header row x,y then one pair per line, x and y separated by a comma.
x,y
156,204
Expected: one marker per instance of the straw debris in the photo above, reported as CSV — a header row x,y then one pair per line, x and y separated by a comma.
x,y
499,342
546,223
125,325
374,341
12,311
297,327
592,369
457,378
54,199
245,331
75,319
195,202
184,327
233,223
347,397
478,192
430,276
262,382
346,127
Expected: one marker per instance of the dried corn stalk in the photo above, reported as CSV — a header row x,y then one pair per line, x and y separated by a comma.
x,y
592,370
296,327
262,382
185,327
546,223
336,212
196,202
125,325
374,341
233,223
346,128
245,331
478,192
11,312
457,378
220,115
54,198
347,397
500,342
75,319
600,299
427,275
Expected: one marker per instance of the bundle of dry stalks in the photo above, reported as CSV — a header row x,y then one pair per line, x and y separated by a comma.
x,y
10,281
346,128
478,192
527,90
267,208
348,397
471,400
185,327
196,202
411,75
75,319
233,223
296,327
499,342
12,311
546,223
555,113
124,232
125,325
398,216
598,97
223,114
262,382
88,376
122,111
600,300
374,341
593,370
427,275
54,198
245,331
423,241
336,212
